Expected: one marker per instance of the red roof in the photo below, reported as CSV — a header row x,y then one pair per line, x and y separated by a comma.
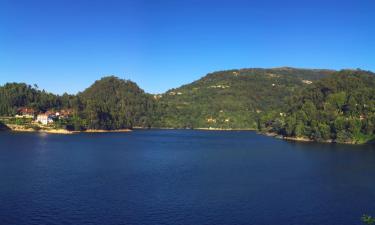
x,y
66,112
25,110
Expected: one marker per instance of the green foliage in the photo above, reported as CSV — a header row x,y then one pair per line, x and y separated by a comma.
x,y
19,121
317,104
112,103
368,220
339,107
15,95
233,98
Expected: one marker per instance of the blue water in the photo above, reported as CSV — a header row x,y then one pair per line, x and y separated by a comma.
x,y
182,178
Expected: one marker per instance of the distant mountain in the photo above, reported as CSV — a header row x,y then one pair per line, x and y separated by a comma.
x,y
340,108
233,98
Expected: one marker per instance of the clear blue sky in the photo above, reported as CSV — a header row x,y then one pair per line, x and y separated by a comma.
x,y
65,45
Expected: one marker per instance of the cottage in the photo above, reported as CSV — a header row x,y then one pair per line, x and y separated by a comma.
x,y
52,114
64,113
211,120
44,119
25,112
157,97
307,81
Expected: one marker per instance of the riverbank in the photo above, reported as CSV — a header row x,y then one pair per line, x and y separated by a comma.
x,y
20,128
42,129
299,139
329,141
63,131
104,131
225,129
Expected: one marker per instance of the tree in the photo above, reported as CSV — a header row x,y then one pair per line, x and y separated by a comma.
x,y
368,220
340,107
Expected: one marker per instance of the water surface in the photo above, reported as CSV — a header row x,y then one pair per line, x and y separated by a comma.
x,y
183,178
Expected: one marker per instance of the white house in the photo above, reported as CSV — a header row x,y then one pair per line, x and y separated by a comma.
x,y
44,119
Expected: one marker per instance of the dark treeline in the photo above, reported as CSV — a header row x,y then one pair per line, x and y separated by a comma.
x,y
15,95
315,104
112,103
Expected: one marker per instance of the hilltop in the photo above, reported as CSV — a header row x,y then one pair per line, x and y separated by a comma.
x,y
113,103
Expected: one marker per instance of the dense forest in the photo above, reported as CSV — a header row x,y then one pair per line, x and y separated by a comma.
x,y
316,104
112,103
233,98
340,108
15,95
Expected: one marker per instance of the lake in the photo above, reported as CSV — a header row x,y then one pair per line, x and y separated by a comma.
x,y
182,177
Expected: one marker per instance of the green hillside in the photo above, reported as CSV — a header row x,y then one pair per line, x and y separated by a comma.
x,y
340,107
233,98
320,105
15,95
113,103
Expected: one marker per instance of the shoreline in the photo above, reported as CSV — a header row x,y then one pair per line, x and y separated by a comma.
x,y
63,131
297,139
103,131
198,128
20,128
224,129
306,139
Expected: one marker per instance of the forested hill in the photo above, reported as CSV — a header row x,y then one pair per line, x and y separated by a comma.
x,y
113,103
110,103
233,98
16,95
340,107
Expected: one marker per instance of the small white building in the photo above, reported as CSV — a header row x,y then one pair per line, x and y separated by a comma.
x,y
44,119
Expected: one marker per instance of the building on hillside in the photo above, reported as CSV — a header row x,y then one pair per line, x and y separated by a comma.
x,y
307,81
25,112
211,120
64,113
44,119
51,113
